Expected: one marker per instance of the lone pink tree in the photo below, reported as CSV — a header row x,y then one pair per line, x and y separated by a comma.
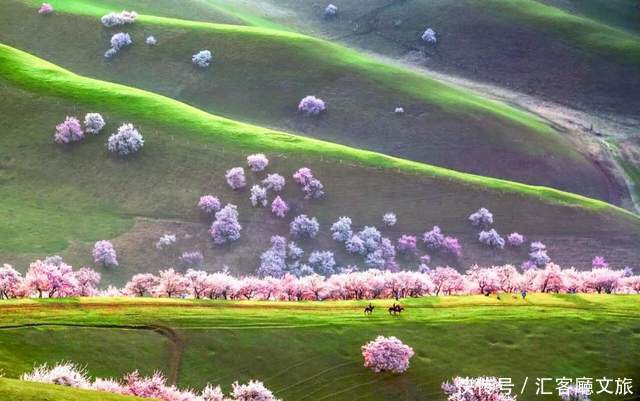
x,y
104,254
389,219
433,239
515,239
303,176
274,182
235,178
311,106
10,282
313,190
279,207
209,204
68,131
192,259
45,9
482,218
407,243
387,354
226,227
258,196
599,262
304,227
257,162
311,187
451,246
126,141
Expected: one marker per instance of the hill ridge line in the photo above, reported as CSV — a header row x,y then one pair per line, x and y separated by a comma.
x,y
35,74
441,93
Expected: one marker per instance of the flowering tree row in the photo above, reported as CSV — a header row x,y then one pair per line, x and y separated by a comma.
x,y
52,278
134,384
384,354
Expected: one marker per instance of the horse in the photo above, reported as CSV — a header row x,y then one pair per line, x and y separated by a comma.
x,y
369,309
395,309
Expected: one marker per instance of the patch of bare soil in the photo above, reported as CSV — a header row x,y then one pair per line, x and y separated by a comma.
x,y
592,131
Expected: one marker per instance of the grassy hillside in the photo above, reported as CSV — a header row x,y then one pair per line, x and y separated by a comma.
x,y
312,350
16,390
185,156
622,14
580,53
198,10
444,125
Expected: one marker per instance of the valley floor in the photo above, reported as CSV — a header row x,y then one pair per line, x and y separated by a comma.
x,y
311,350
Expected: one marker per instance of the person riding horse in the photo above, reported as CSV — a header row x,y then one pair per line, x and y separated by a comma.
x,y
395,309
369,309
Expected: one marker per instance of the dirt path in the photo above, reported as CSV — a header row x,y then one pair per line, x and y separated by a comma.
x,y
589,130
176,343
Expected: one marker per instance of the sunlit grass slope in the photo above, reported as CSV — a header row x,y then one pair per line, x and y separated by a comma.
x,y
16,390
587,34
186,154
198,10
607,27
584,53
259,75
312,350
618,13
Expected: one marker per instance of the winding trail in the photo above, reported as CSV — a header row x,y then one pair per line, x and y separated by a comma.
x,y
176,343
589,130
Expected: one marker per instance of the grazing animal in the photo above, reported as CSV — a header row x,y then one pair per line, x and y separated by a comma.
x,y
514,296
395,309
369,309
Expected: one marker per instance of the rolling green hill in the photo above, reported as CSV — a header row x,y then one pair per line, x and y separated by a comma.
x,y
312,350
434,165
90,195
16,390
259,75
584,53
617,13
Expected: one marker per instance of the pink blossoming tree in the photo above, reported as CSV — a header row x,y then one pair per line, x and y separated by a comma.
x,y
45,9
68,131
209,204
236,178
104,254
10,282
226,227
311,106
387,354
257,162
274,182
279,207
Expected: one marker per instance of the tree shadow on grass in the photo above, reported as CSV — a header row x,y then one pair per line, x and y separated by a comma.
x,y
575,299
